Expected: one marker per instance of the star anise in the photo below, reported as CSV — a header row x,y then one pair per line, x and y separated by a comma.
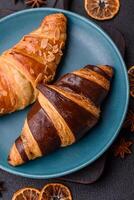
x,y
35,3
123,148
131,80
129,122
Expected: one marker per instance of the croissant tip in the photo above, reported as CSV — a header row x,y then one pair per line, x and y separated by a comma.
x,y
14,158
106,68
56,16
109,70
10,161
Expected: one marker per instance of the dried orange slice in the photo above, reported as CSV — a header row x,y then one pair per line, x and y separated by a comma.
x,y
102,9
55,191
131,80
26,194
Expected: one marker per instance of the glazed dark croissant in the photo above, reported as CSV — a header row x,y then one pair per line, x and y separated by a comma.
x,y
34,58
63,113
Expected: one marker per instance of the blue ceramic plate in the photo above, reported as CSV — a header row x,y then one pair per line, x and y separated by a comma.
x,y
87,44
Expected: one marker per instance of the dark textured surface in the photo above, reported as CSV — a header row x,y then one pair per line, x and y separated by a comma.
x,y
117,182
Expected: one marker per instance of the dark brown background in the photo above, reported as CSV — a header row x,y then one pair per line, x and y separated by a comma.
x,y
117,182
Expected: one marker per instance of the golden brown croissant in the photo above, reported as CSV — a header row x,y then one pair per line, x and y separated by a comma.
x,y
63,113
34,58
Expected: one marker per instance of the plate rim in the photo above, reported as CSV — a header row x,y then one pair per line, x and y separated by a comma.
x,y
107,37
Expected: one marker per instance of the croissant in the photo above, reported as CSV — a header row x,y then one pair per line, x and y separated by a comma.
x,y
33,59
63,113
